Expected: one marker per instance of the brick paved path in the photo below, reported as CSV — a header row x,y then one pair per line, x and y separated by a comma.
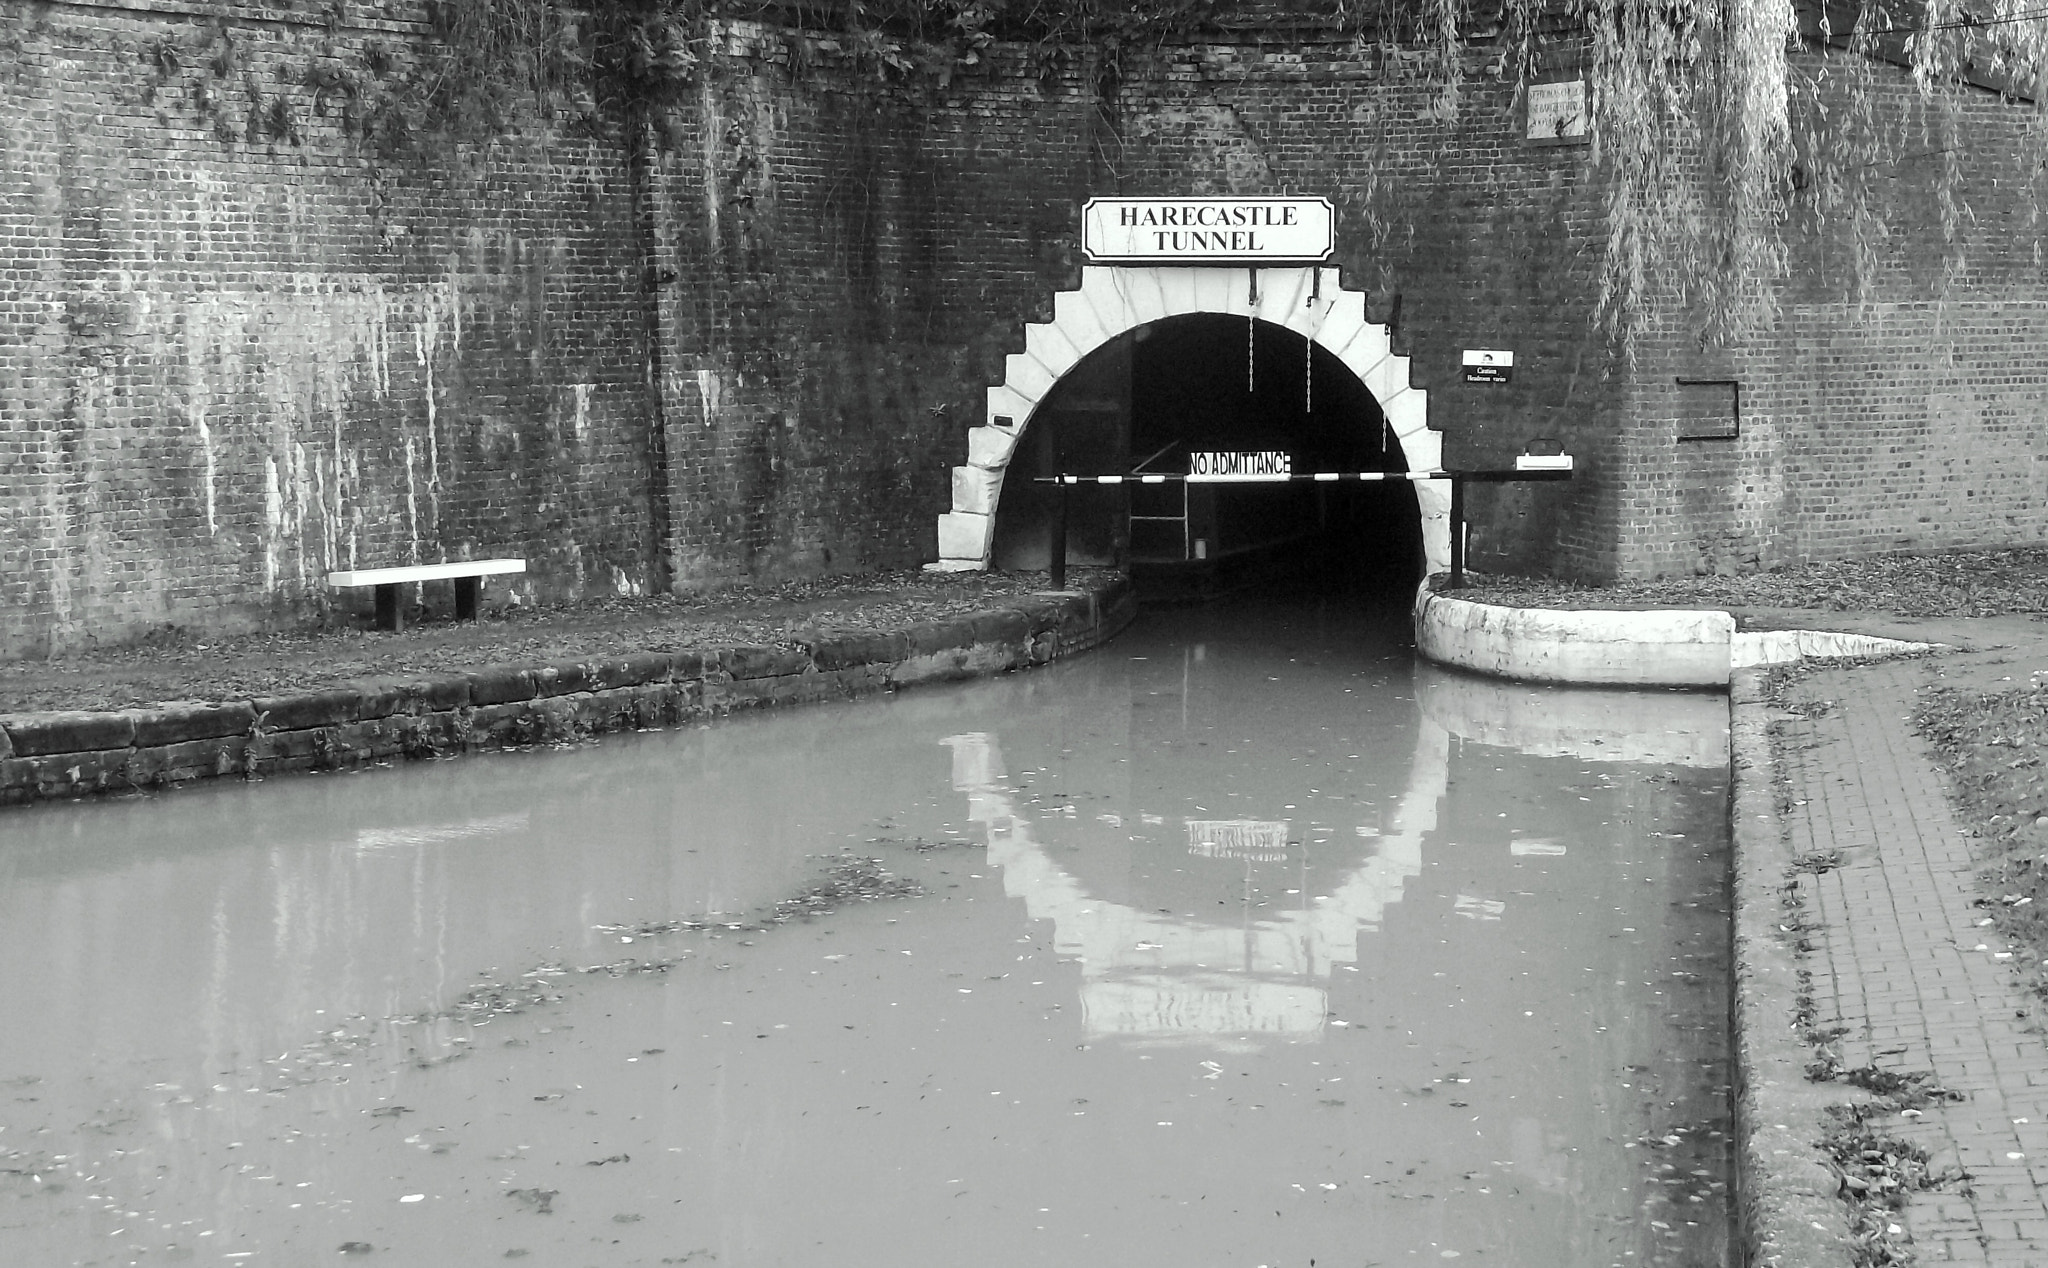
x,y
1901,961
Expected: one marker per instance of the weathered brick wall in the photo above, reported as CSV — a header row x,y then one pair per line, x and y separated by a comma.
x,y
855,259
1463,236
240,346
1903,411
855,262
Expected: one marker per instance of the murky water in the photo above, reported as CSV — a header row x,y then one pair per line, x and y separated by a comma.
x,y
1243,941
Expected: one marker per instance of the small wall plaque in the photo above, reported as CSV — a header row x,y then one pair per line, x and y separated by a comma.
x,y
1558,113
1489,365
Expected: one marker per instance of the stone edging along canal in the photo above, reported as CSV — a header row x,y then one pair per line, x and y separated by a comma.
x,y
1787,1205
74,753
1659,647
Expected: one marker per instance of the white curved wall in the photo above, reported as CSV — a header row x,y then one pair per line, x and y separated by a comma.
x,y
1670,648
1112,300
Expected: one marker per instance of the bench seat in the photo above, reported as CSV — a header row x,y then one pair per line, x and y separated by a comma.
x,y
467,574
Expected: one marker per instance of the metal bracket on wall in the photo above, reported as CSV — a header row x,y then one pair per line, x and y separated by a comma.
x,y
1735,429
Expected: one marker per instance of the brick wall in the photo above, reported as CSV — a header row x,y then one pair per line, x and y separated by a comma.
x,y
855,259
240,347
1899,411
1463,236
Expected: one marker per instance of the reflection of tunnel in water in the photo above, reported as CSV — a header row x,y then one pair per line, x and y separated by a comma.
x,y
1163,961
1144,401
1161,975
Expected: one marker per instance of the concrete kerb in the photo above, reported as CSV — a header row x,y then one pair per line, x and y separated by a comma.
x,y
1787,1209
1668,647
76,753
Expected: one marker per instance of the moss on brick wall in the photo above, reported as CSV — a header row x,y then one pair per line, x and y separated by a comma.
x,y
268,311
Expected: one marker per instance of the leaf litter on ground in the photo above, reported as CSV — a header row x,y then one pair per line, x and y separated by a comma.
x,y
1961,583
180,664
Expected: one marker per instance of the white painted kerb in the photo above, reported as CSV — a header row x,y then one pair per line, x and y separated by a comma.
x,y
1672,647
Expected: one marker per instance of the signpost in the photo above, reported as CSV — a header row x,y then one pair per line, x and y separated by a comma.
x,y
1242,231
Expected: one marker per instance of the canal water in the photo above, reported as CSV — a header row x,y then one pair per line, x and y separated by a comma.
x,y
1244,940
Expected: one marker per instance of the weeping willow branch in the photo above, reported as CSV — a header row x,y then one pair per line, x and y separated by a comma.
x,y
1712,150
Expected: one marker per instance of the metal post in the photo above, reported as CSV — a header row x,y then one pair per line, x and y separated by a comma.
x,y
1457,532
1059,537
390,608
1052,464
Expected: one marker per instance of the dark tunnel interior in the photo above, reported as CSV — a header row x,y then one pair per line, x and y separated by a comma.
x,y
1209,383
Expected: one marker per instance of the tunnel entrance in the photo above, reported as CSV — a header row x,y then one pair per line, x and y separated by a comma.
x,y
1146,400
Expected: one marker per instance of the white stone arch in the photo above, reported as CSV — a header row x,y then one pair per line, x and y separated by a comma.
x,y
1112,300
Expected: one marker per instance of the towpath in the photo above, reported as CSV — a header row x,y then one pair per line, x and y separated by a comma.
x,y
1895,965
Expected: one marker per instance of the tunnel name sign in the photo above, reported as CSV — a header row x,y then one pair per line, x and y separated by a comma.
x,y
1241,231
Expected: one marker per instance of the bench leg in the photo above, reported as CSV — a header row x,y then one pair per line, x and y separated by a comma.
x,y
466,589
390,615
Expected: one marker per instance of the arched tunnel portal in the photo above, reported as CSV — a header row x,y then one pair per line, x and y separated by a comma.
x,y
1147,399
1140,367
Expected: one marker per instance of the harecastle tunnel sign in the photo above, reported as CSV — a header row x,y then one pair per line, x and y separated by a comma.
x,y
1241,231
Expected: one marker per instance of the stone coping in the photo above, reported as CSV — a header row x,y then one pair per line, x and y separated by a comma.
x,y
1786,1210
82,752
1655,647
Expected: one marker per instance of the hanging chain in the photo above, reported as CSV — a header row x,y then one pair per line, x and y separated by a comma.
x,y
1251,359
1308,373
1308,376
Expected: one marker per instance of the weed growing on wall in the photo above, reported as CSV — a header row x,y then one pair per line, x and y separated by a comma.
x,y
1712,151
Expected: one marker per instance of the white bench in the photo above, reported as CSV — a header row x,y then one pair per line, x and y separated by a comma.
x,y
468,575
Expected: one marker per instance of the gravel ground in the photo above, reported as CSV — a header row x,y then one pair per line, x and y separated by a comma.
x,y
178,666
1973,583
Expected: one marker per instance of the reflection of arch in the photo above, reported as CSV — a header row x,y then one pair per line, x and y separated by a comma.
x,y
1594,725
1150,975
1111,301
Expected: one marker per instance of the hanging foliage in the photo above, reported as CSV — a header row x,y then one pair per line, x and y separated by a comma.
x,y
1711,145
